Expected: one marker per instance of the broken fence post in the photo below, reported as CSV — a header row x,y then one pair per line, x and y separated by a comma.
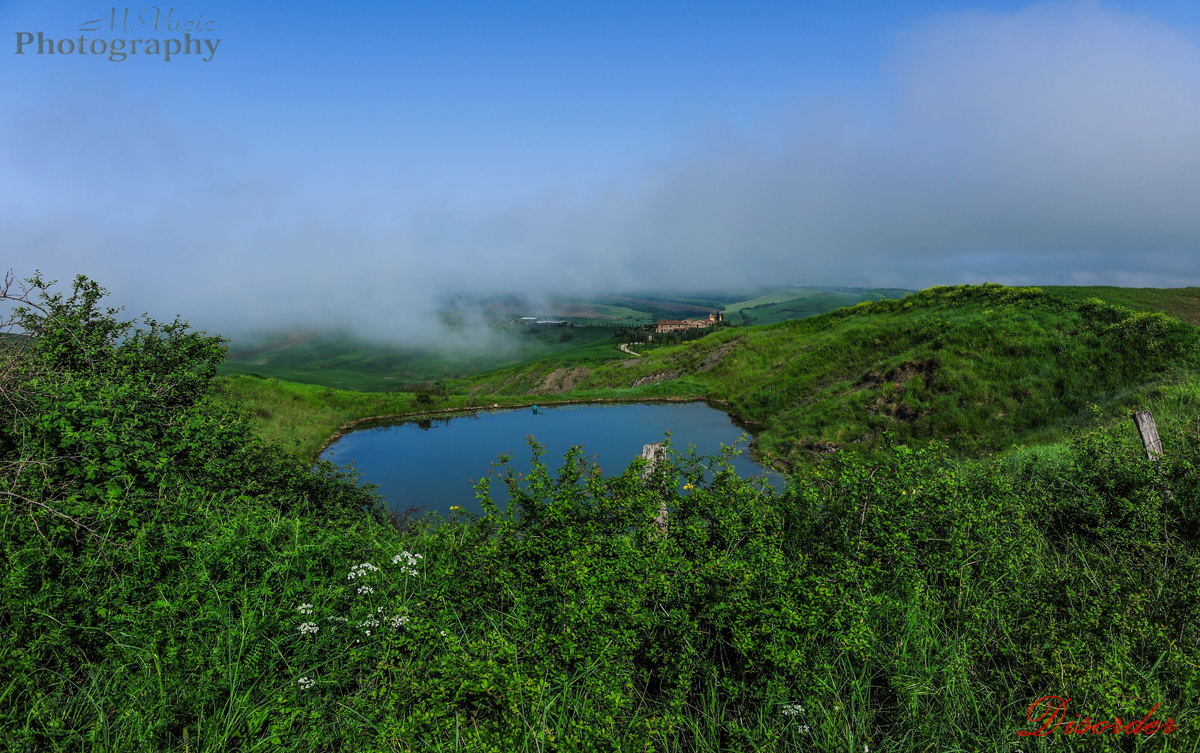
x,y
652,454
1149,433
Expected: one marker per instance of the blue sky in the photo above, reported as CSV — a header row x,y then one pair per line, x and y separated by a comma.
x,y
356,161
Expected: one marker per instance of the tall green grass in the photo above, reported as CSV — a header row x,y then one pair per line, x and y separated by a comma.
x,y
907,605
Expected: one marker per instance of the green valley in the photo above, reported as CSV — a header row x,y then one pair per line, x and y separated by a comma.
x,y
499,339
345,362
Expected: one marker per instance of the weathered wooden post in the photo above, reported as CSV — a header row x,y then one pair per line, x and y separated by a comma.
x,y
1149,434
652,454
1150,441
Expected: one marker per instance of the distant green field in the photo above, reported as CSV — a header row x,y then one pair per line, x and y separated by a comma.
x,y
335,360
602,312
504,309
802,302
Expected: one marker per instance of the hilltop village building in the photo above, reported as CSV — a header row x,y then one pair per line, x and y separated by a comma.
x,y
666,326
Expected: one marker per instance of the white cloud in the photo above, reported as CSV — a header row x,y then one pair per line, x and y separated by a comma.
x,y
1052,145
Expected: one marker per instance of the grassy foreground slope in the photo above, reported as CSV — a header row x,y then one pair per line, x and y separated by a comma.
x,y
171,583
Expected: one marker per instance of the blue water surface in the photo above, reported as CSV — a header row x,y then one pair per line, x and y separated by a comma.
x,y
433,462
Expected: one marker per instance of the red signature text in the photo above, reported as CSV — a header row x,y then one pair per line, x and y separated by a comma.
x,y
1050,711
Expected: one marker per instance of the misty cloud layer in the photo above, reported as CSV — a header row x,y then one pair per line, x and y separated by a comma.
x,y
1053,145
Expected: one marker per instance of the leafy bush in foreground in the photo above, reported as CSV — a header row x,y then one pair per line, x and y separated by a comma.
x,y
143,527
170,583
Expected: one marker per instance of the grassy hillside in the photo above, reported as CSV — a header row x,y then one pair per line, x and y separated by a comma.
x,y
983,367
173,583
986,367
1181,303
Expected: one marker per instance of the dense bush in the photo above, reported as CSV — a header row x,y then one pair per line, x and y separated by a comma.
x,y
144,528
171,583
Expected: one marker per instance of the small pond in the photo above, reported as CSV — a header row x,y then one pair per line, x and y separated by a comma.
x,y
434,461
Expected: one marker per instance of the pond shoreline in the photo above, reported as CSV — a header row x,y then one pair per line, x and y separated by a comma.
x,y
433,457
722,405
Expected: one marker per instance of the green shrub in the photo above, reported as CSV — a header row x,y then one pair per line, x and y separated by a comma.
x,y
146,531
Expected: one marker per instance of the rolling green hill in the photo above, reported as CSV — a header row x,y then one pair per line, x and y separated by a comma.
x,y
984,367
1181,303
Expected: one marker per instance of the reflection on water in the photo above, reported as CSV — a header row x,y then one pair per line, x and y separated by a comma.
x,y
433,461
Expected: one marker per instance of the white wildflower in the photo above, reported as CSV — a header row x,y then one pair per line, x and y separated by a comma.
x,y
804,728
399,620
407,562
305,609
365,590
359,571
443,632
792,709
308,628
306,683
